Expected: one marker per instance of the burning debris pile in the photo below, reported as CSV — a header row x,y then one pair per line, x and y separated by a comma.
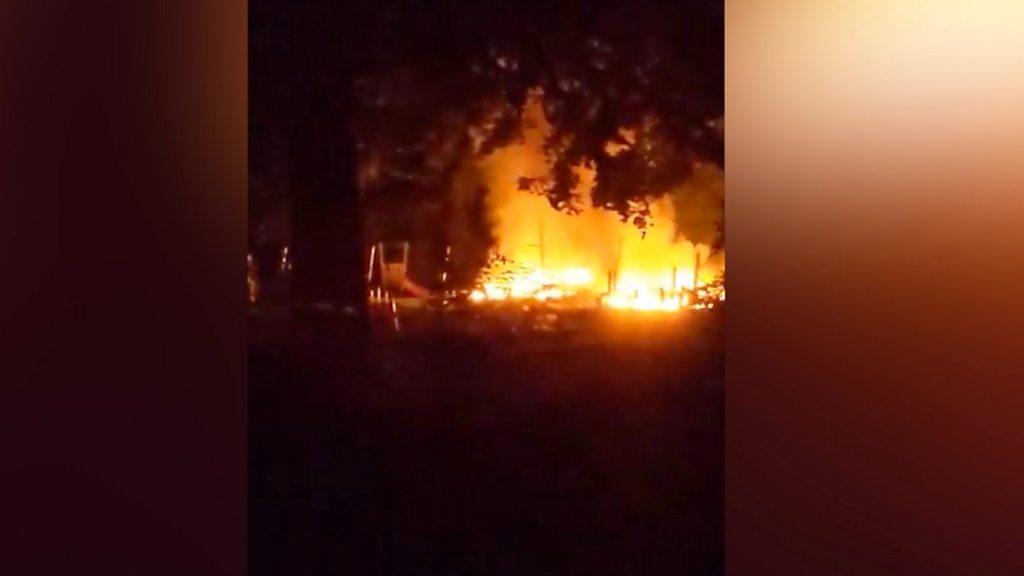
x,y
576,255
505,279
592,256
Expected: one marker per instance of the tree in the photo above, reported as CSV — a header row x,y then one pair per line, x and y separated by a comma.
x,y
454,80
410,90
301,106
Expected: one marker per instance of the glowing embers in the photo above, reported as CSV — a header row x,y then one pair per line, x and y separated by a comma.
x,y
505,280
646,301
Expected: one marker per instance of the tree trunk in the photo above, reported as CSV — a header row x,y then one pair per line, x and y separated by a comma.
x,y
328,285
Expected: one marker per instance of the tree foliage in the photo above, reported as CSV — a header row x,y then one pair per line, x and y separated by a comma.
x,y
433,82
454,80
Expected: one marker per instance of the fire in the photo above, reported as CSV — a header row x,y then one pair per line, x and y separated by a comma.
x,y
252,280
545,254
507,280
644,301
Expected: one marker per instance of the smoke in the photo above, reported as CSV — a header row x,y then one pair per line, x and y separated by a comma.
x,y
699,206
469,223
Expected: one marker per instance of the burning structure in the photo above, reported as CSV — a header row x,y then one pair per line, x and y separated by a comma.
x,y
587,255
504,237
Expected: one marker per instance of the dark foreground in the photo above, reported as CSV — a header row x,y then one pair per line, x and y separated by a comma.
x,y
438,451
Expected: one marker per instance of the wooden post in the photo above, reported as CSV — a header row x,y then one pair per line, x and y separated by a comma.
x,y
696,270
369,270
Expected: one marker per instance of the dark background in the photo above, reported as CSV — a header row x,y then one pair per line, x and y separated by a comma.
x,y
122,336
872,418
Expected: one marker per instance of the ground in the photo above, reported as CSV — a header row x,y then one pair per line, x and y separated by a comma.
x,y
451,448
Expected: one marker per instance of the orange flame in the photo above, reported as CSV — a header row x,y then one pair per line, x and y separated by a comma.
x,y
546,254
